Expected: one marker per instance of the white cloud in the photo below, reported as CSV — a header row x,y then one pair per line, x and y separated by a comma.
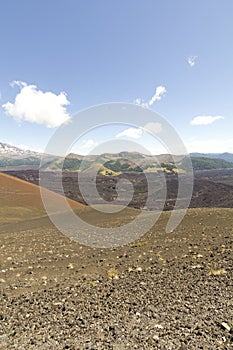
x,y
38,107
139,102
154,128
134,133
137,133
159,92
205,119
89,144
192,60
19,83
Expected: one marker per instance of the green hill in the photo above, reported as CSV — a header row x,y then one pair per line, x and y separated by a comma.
x,y
202,163
115,164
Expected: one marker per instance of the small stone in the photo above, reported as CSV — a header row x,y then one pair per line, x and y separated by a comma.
x,y
198,266
70,266
139,269
159,326
226,326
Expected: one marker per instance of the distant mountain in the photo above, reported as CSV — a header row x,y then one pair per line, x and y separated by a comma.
x,y
110,163
15,157
116,164
7,151
225,156
202,163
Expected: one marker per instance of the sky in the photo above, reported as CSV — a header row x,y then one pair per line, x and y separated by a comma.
x,y
61,57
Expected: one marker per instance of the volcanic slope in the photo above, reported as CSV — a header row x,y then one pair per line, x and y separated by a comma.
x,y
164,291
21,201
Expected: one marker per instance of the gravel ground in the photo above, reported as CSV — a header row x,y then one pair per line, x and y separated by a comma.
x,y
166,291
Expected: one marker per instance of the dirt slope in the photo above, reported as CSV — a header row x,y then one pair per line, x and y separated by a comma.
x,y
20,200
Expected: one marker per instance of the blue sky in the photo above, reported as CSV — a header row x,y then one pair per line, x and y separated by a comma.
x,y
78,54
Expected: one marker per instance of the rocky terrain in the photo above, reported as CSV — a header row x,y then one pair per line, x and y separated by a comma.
x,y
164,291
212,188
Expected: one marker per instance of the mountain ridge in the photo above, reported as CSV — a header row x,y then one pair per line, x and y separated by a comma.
x,y
110,163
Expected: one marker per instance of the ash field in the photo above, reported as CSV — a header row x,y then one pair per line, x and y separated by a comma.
x,y
163,291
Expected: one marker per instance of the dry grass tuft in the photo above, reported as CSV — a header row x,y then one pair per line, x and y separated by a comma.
x,y
113,274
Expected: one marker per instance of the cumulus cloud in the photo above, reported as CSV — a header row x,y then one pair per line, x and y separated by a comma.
x,y
205,119
89,144
137,133
192,60
154,128
134,133
159,92
35,106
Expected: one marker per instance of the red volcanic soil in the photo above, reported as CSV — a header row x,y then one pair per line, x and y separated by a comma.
x,y
17,193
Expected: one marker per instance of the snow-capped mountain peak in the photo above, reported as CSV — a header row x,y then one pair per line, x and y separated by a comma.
x,y
7,150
